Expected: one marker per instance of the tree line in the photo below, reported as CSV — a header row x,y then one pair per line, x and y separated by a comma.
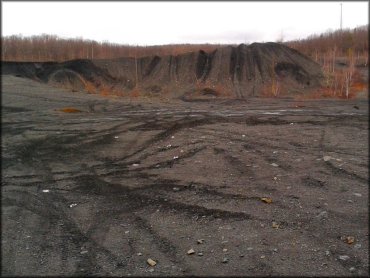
x,y
53,48
338,42
46,47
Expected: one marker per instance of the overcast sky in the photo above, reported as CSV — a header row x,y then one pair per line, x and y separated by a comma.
x,y
153,23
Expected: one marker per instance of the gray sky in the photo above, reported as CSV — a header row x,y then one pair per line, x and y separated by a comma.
x,y
152,23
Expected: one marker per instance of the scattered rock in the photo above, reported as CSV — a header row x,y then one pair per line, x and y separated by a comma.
x,y
263,256
200,254
322,215
115,137
46,190
241,255
274,164
151,269
357,246
176,189
200,241
135,164
191,251
172,137
327,253
151,262
72,205
343,258
225,260
352,269
175,157
357,194
224,250
326,158
250,248
275,225
84,252
139,254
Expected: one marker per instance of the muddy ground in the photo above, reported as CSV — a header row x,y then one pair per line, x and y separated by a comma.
x,y
101,191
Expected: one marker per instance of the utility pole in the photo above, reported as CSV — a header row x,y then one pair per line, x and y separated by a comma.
x,y
341,18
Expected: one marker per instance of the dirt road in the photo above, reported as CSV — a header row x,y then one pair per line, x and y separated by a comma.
x,y
101,191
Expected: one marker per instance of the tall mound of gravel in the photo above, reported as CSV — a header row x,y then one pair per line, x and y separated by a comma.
x,y
233,72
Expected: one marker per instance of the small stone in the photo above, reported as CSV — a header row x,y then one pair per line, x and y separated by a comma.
x,y
46,190
266,200
176,189
139,254
263,256
225,260
275,225
224,250
175,157
327,252
200,254
172,137
344,257
83,252
243,135
191,251
151,269
275,250
135,165
200,241
322,215
275,178
115,137
349,239
274,164
350,201
357,246
326,158
357,194
352,269
241,255
151,262
250,248
126,232
72,205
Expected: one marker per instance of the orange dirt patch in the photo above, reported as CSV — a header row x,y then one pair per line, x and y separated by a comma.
x,y
70,110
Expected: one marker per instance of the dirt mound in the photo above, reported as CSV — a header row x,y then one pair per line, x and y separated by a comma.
x,y
231,72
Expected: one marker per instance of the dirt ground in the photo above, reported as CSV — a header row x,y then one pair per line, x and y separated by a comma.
x,y
101,191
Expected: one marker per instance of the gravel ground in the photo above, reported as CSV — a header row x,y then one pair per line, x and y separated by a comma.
x,y
248,188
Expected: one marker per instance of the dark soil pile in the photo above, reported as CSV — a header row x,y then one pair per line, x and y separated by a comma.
x,y
233,72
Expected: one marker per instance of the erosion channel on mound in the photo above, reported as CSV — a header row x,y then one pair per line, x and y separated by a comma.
x,y
228,72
